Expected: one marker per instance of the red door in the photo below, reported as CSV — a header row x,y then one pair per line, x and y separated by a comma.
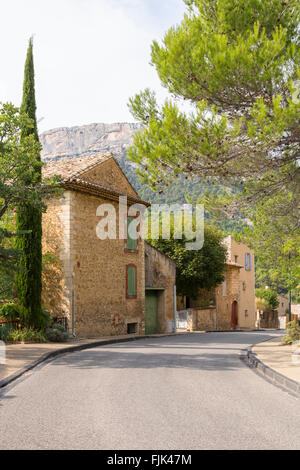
x,y
234,315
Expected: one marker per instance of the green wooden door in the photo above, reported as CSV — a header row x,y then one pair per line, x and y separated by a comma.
x,y
151,313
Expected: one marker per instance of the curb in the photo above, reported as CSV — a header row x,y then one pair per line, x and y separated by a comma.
x,y
270,374
70,349
238,331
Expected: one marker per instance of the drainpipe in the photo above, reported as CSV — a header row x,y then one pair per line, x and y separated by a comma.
x,y
73,315
175,309
290,305
217,313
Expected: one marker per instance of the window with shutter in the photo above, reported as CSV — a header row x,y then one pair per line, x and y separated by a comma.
x,y
131,244
131,281
247,261
224,288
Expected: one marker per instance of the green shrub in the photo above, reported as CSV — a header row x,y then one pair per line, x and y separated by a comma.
x,y
13,312
5,331
10,334
26,334
269,296
45,320
56,333
204,303
293,334
9,312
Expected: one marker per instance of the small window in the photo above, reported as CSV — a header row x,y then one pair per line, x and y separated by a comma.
x,y
132,328
247,261
246,313
131,281
224,288
131,243
236,259
244,286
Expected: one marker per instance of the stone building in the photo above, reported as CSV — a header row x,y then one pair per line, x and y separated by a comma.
x,y
232,304
235,298
283,306
160,279
282,309
268,319
97,284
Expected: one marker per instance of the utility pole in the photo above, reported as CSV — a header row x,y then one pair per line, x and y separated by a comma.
x,y
217,313
175,309
290,305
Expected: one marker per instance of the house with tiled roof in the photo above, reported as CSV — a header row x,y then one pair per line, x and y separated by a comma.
x,y
96,283
231,305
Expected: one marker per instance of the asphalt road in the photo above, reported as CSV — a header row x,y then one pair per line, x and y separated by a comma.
x,y
185,392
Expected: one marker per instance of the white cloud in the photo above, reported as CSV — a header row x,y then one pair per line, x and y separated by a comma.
x,y
90,55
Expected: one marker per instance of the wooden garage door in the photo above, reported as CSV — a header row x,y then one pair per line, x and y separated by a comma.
x,y
151,312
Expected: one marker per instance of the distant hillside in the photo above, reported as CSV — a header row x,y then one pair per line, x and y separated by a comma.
x,y
87,140
116,138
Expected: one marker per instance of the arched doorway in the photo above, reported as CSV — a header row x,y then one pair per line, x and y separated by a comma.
x,y
234,315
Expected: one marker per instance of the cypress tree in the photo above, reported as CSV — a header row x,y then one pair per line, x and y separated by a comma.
x,y
29,217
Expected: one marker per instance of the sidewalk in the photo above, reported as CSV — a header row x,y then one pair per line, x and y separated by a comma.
x,y
276,362
278,357
22,357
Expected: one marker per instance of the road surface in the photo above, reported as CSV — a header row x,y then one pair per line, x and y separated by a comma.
x,y
185,392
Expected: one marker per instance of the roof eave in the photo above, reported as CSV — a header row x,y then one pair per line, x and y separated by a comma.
x,y
93,190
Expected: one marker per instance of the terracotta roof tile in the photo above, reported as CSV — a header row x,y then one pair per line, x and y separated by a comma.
x,y
69,168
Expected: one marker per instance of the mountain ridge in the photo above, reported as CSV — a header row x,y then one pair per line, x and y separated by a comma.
x,y
75,141
115,138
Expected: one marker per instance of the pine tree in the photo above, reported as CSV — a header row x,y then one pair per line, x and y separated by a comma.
x,y
237,63
29,217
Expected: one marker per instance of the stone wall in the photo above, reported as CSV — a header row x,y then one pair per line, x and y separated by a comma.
x,y
93,270
283,305
246,287
101,306
57,272
202,319
111,176
226,294
269,319
160,272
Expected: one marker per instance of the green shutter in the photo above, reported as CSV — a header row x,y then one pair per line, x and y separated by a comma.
x,y
131,244
131,275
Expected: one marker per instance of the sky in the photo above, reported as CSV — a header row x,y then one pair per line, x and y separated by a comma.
x,y
90,55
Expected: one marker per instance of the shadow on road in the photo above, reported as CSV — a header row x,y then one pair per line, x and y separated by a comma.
x,y
211,352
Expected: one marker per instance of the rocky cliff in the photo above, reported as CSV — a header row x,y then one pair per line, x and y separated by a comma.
x,y
87,140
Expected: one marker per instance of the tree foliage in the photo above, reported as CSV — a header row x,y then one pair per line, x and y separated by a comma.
x,y
236,63
29,217
269,298
18,185
17,158
199,269
275,235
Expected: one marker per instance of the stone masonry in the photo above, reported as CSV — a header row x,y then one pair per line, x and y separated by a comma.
x,y
160,272
87,280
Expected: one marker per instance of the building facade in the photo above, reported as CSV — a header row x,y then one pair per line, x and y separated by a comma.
x,y
160,279
235,299
97,284
232,304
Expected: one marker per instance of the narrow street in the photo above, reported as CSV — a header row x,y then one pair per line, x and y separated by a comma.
x,y
184,392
